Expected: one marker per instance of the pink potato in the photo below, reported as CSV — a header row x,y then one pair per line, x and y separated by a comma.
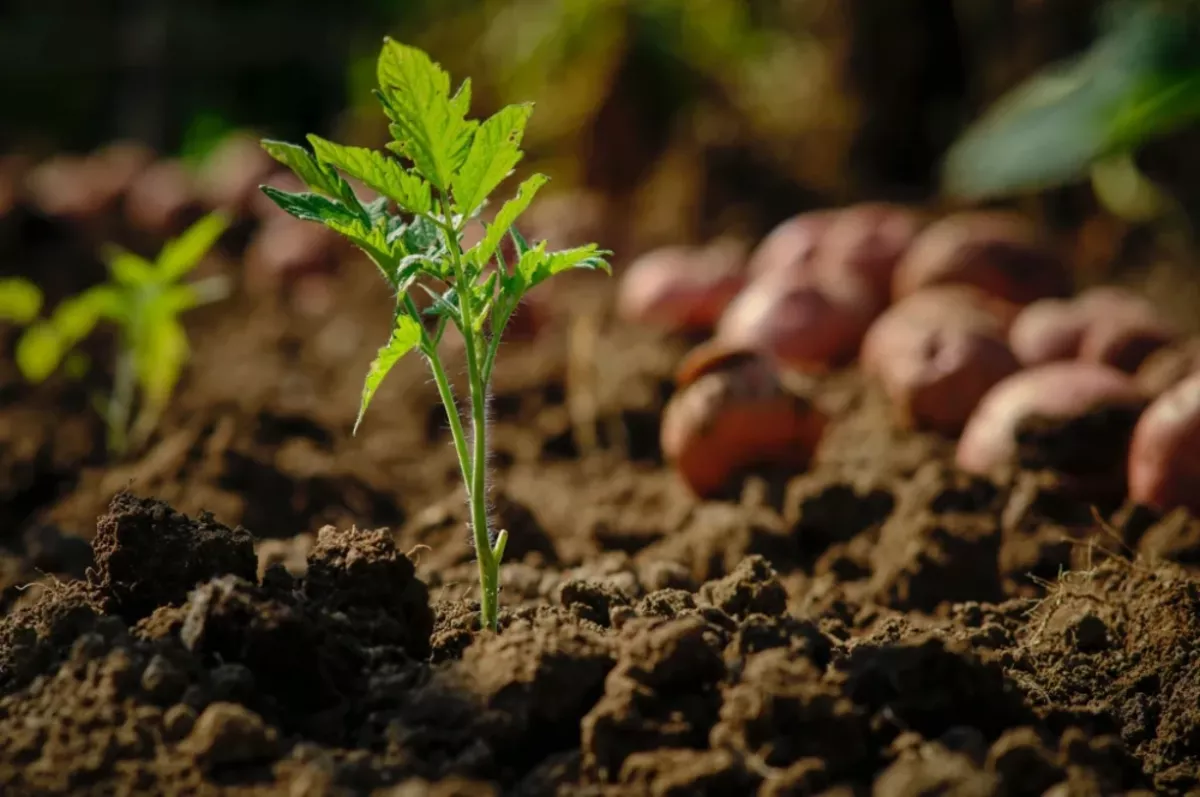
x,y
1003,254
796,323
734,417
791,246
1100,401
1164,457
162,199
865,243
682,288
937,353
1168,366
230,175
1104,325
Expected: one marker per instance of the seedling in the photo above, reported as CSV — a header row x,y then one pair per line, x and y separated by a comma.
x,y
447,168
144,300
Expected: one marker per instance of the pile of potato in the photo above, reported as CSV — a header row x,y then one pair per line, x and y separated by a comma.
x,y
968,323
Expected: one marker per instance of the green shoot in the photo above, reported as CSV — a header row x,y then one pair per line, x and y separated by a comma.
x,y
445,169
144,300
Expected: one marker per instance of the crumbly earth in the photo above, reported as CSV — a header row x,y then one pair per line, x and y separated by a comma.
x,y
262,604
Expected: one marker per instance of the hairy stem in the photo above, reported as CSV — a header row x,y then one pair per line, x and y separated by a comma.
x,y
489,566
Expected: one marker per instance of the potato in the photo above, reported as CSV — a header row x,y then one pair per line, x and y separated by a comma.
x,y
162,200
682,288
796,323
1103,325
937,353
1000,253
734,418
791,246
1164,457
1091,407
864,243
286,250
1168,366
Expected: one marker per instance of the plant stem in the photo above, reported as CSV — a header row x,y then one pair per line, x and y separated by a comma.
x,y
120,403
489,566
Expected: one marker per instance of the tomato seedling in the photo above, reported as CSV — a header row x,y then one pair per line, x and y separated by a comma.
x,y
144,300
447,166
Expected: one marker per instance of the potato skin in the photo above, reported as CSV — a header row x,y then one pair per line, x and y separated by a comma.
x,y
681,288
1169,366
790,248
1048,330
1164,457
797,324
863,246
1002,254
937,353
1055,391
734,418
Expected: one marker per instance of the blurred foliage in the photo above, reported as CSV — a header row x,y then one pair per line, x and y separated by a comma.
x,y
1139,81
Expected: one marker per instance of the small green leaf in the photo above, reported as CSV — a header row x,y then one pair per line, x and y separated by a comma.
x,y
405,336
39,352
160,352
312,207
378,172
429,126
317,177
181,255
76,317
495,150
127,268
20,300
483,251
537,265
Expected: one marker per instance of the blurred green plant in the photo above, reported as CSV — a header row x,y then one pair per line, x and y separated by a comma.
x,y
447,168
1087,117
144,300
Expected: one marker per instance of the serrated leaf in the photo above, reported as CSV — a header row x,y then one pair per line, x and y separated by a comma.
x,y
306,167
180,255
128,268
508,214
537,265
160,352
430,127
20,300
378,172
405,336
39,352
313,207
445,305
495,150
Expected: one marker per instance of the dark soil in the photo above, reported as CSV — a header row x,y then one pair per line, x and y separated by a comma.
x,y
261,604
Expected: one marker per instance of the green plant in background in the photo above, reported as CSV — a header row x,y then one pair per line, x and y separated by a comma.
x,y
144,300
1088,116
447,168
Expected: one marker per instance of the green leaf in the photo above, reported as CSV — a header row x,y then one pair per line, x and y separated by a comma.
x,y
405,336
181,255
430,127
160,352
495,150
483,251
378,172
313,207
127,268
537,265
76,317
39,352
317,177
20,300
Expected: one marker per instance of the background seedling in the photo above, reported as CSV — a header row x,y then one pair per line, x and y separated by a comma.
x,y
144,300
447,167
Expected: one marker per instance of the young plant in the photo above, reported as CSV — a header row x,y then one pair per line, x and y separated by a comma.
x,y
144,300
447,166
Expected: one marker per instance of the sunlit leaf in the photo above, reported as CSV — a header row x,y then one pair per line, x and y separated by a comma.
x,y
312,207
180,255
128,268
160,353
495,150
378,172
75,318
322,179
537,265
39,352
405,336
20,300
508,214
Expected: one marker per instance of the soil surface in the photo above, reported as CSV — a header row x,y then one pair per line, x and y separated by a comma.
x,y
260,603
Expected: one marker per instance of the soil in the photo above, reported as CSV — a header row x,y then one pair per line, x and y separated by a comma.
x,y
260,603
